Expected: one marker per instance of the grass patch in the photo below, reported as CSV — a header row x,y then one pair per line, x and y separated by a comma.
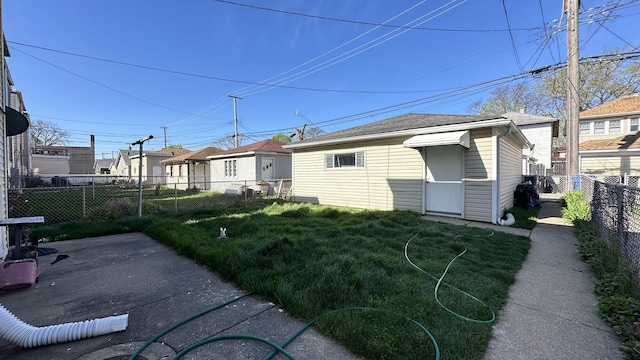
x,y
319,263
525,218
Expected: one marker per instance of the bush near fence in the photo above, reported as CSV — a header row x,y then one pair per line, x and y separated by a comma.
x,y
94,200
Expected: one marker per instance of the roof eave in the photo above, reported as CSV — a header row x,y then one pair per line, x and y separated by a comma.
x,y
607,151
410,132
621,114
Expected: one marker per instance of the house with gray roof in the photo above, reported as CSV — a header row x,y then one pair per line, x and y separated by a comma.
x,y
464,166
540,130
121,166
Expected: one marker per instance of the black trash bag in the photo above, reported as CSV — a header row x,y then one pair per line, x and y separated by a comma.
x,y
526,196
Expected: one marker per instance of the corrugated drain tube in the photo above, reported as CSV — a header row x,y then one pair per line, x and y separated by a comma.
x,y
24,335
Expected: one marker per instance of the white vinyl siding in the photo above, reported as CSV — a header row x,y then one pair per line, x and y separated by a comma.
x,y
391,178
478,178
610,165
177,174
541,136
510,170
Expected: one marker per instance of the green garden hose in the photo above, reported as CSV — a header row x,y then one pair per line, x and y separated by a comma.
x,y
440,281
280,348
182,322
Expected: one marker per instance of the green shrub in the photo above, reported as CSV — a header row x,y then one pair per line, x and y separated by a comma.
x,y
576,208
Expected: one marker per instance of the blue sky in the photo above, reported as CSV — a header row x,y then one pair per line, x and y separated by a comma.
x,y
123,69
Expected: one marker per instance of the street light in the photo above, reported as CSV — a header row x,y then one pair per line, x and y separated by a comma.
x,y
140,142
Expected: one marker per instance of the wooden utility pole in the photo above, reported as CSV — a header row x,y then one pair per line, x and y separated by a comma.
x,y
573,103
235,118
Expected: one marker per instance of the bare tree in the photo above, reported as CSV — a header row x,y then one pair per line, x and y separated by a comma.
x,y
513,97
601,80
227,142
46,133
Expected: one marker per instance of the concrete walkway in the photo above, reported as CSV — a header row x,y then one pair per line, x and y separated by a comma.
x,y
552,311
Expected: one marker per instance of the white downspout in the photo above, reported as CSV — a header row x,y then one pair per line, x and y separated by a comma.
x,y
497,214
24,335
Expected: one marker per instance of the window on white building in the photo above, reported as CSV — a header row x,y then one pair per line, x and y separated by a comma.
x,y
585,128
230,169
634,124
598,127
614,127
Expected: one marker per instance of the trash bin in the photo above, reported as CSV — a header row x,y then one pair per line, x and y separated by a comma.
x,y
531,179
526,196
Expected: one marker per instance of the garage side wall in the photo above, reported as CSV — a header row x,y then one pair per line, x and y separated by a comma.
x,y
392,177
479,176
510,170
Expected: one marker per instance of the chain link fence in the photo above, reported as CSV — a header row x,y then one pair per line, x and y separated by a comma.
x,y
73,198
615,211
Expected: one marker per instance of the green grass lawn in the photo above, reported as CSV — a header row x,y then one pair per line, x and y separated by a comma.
x,y
374,280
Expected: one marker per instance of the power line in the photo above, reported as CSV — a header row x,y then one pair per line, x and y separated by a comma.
x,y
361,22
368,45
513,42
196,75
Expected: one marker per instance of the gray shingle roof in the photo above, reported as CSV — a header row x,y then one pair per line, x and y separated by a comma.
x,y
399,123
526,119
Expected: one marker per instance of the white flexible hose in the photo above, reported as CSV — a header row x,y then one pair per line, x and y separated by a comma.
x,y
510,220
24,335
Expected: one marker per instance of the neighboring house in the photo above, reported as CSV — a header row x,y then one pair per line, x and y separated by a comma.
x,y
12,123
63,160
102,166
19,146
540,130
454,165
190,170
151,166
256,166
4,84
609,138
121,166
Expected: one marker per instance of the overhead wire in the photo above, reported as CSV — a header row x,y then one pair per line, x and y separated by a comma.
x,y
176,72
384,24
250,88
513,42
364,47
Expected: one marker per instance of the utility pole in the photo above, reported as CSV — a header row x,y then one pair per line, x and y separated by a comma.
x,y
235,118
573,103
164,128
140,142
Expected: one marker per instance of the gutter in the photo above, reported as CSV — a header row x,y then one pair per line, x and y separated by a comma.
x,y
497,215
